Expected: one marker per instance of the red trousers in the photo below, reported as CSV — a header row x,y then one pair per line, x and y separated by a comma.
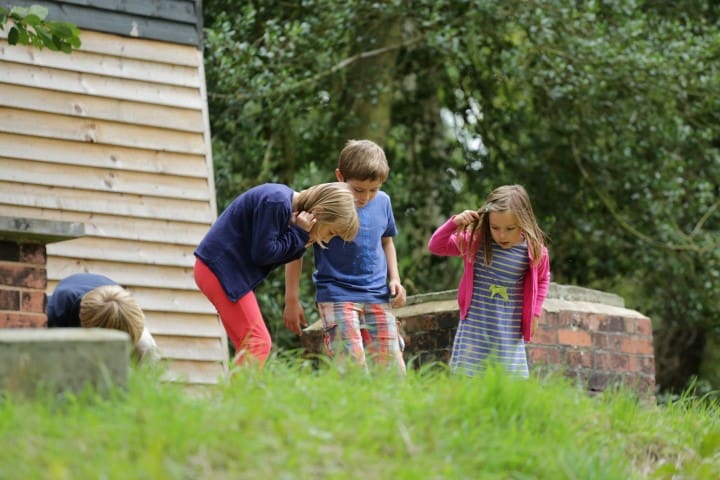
x,y
242,320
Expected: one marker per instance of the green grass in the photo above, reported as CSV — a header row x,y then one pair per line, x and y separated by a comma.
x,y
289,422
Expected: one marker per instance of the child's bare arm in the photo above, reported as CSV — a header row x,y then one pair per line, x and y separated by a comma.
x,y
293,314
397,291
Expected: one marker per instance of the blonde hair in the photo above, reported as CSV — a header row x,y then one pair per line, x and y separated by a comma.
x,y
332,204
363,160
507,198
111,306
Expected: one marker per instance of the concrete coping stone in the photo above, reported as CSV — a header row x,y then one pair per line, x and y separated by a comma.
x,y
569,293
568,296
62,335
60,360
36,230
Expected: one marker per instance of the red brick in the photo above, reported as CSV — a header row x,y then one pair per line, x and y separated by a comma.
x,y
544,336
549,319
606,341
598,382
420,323
33,301
538,355
613,324
33,253
643,326
23,320
590,321
646,365
613,362
569,318
579,358
601,360
23,275
641,383
9,300
568,336
636,345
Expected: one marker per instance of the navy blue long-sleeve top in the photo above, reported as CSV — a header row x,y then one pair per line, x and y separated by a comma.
x,y
252,237
63,306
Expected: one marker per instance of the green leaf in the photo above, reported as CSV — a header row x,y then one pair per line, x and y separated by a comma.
x,y
33,20
61,29
24,39
13,35
18,13
38,11
36,41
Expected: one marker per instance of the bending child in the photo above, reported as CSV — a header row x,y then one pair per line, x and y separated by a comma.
x,y
263,228
505,281
94,301
355,280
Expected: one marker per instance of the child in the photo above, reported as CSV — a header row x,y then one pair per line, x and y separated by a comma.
x,y
263,228
506,277
355,280
95,301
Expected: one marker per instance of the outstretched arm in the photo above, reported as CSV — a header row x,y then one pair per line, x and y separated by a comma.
x,y
293,314
397,291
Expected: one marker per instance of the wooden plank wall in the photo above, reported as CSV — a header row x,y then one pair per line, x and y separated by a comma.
x,y
116,136
173,21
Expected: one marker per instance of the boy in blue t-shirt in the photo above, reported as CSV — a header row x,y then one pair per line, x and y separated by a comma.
x,y
354,281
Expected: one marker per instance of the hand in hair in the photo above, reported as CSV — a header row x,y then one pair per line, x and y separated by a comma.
x,y
304,220
466,218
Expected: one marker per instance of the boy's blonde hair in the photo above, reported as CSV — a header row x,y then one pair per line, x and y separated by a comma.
x,y
332,204
513,199
111,306
363,160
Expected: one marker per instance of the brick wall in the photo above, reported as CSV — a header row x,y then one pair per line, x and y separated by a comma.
x,y
23,274
588,335
23,280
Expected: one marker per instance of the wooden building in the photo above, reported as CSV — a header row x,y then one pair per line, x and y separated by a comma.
x,y
116,136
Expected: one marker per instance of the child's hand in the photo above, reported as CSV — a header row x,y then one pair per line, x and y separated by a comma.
x,y
304,220
397,294
294,317
466,218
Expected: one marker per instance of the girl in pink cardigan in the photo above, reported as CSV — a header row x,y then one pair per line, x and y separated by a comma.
x,y
505,281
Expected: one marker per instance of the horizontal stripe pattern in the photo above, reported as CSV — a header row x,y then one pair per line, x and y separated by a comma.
x,y
491,331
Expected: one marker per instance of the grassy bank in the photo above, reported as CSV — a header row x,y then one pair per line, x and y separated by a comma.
x,y
291,423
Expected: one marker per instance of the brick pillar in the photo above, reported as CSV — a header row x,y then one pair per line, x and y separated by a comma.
x,y
599,345
23,280
23,274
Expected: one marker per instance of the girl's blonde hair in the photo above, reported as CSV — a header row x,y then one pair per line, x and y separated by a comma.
x,y
507,198
332,204
111,306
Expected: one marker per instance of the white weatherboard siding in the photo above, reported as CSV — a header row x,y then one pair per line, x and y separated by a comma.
x,y
116,136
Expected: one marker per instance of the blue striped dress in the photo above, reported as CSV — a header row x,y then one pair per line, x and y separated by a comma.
x,y
492,326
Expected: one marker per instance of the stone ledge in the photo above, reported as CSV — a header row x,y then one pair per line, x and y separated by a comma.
x,y
62,360
559,296
557,305
34,230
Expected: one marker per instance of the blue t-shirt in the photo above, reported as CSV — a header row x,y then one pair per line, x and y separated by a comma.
x,y
252,237
63,306
357,271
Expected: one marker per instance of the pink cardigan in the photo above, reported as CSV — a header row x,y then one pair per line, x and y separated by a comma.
x,y
535,286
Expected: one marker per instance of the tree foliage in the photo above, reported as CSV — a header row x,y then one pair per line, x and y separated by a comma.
x,y
608,113
30,27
